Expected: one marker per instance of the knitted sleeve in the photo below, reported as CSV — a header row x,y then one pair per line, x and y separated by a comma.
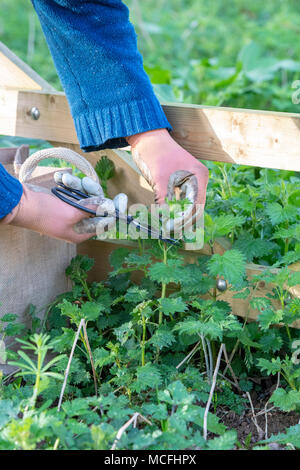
x,y
11,192
94,48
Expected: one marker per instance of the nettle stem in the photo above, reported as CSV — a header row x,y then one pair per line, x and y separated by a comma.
x,y
143,340
86,290
37,379
163,285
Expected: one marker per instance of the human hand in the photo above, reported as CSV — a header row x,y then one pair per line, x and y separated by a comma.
x,y
162,162
40,211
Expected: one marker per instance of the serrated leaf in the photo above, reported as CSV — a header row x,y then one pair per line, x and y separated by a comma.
x,y
155,411
193,281
271,367
294,279
253,247
92,310
244,294
291,435
117,257
190,326
162,338
176,394
135,295
231,265
172,305
227,223
291,232
8,317
270,317
138,261
147,376
225,442
124,332
166,273
286,400
102,357
271,341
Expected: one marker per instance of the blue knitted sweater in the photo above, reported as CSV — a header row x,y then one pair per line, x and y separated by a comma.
x,y
94,48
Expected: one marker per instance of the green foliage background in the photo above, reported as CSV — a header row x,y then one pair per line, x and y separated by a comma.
x,y
215,53
239,54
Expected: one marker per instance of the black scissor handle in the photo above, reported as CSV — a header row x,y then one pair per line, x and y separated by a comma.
x,y
64,193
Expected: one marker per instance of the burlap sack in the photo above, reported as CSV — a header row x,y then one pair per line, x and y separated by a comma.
x,y
32,266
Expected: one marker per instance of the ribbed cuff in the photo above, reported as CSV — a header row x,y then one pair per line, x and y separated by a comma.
x,y
106,127
11,191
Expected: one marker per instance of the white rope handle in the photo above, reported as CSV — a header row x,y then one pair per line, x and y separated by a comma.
x,y
61,153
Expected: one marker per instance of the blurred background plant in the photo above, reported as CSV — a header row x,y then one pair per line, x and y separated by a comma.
x,y
238,53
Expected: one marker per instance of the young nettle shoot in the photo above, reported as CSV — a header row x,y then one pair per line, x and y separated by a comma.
x,y
105,170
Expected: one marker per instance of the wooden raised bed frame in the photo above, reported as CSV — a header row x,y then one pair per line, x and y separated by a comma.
x,y
246,137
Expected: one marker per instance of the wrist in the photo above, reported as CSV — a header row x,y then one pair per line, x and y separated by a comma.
x,y
145,137
10,217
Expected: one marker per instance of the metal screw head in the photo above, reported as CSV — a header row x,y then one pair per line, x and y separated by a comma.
x,y
35,113
221,285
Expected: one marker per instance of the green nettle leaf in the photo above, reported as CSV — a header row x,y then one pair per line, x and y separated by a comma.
x,y
279,214
176,394
286,400
147,376
92,310
118,256
155,411
244,338
253,247
287,233
105,168
291,436
102,357
261,303
221,225
124,332
294,279
166,273
227,223
64,342
9,317
244,294
289,258
8,411
271,367
76,407
136,295
71,310
162,338
79,267
225,442
270,317
271,341
193,281
231,265
138,261
294,198
172,305
14,329
191,326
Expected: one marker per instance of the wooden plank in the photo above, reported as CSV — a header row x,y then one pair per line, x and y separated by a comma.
x,y
15,74
8,112
246,137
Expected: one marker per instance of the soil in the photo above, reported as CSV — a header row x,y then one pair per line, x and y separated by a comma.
x,y
277,421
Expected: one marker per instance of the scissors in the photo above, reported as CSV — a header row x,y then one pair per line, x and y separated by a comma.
x,y
66,194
